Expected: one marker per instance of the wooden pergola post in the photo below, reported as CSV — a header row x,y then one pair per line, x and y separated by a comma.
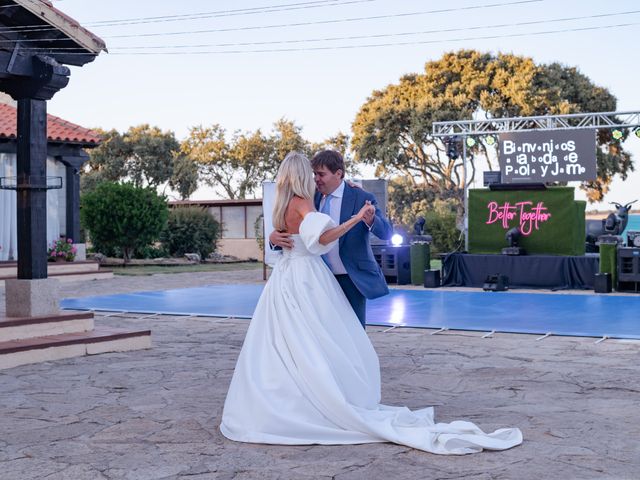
x,y
31,188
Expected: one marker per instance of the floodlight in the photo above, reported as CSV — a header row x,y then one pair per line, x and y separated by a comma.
x,y
637,132
471,142
397,240
616,134
490,140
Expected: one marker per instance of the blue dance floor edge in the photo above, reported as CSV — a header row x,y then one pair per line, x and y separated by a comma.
x,y
509,312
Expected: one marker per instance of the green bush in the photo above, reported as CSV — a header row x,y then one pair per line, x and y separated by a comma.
x,y
151,251
190,230
442,227
123,218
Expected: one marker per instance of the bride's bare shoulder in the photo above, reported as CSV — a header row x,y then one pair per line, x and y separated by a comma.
x,y
301,205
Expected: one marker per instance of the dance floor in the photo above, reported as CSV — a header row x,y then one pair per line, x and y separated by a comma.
x,y
510,312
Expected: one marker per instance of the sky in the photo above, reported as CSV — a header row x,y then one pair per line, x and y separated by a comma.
x,y
262,60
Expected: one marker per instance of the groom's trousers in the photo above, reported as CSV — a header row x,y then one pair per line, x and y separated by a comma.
x,y
356,299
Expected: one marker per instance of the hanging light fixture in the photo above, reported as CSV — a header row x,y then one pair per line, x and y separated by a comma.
x,y
471,142
490,140
637,132
616,134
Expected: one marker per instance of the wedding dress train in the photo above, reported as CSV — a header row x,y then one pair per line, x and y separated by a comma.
x,y
308,374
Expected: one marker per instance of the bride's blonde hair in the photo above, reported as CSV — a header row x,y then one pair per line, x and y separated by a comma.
x,y
295,177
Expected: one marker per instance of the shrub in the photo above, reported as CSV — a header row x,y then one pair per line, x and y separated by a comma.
x,y
124,217
442,227
190,230
151,251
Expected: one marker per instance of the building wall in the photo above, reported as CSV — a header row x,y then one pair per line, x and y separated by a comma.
x,y
241,248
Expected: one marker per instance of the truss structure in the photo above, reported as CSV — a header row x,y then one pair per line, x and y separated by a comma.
x,y
597,120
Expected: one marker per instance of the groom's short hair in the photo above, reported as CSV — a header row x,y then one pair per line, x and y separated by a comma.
x,y
330,159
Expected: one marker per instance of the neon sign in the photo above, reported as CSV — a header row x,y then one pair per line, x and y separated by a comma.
x,y
529,217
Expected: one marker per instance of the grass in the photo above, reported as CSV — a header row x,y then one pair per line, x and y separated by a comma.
x,y
204,267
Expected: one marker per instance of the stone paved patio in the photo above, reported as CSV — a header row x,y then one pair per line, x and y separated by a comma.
x,y
154,414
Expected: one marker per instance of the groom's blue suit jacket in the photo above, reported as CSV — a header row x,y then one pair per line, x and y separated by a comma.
x,y
355,249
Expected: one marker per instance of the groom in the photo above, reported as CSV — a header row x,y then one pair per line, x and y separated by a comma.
x,y
351,261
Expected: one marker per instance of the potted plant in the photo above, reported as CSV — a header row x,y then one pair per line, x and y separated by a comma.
x,y
62,250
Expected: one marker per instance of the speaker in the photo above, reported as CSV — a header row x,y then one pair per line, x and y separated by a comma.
x,y
496,283
431,278
394,262
602,283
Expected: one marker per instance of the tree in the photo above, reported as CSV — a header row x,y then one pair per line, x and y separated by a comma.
x,y
184,179
123,216
286,137
237,168
392,130
151,155
106,162
145,156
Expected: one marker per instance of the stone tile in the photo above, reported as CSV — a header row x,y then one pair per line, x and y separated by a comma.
x,y
155,413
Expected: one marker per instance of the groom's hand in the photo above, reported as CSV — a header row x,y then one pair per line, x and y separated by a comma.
x,y
281,239
369,215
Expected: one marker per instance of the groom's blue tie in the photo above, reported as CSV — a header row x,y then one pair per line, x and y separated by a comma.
x,y
326,209
326,206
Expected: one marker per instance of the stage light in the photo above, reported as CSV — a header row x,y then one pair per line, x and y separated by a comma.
x,y
452,147
637,132
490,140
397,240
513,237
616,134
471,142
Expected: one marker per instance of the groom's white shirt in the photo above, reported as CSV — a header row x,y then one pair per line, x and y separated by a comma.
x,y
333,257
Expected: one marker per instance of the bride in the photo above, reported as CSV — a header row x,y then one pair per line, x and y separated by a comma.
x,y
307,372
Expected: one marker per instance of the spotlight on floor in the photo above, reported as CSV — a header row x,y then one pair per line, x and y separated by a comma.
x,y
513,237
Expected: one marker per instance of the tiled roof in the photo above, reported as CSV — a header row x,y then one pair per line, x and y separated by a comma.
x,y
58,130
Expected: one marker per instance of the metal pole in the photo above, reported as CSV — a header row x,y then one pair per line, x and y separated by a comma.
x,y
466,199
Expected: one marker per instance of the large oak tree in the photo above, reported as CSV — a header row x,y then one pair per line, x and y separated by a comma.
x,y
392,130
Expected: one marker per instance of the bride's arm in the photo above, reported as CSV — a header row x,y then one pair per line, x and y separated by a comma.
x,y
335,233
303,207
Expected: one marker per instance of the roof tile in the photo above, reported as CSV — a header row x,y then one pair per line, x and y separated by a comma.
x,y
58,130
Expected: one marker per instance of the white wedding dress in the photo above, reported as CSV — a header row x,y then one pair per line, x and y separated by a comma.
x,y
308,374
